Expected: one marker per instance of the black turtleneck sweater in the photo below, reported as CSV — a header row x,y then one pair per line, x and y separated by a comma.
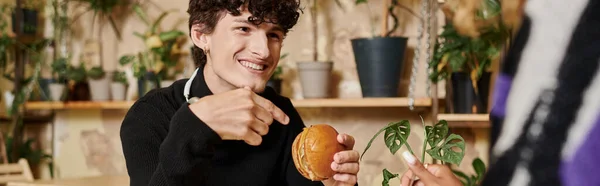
x,y
166,144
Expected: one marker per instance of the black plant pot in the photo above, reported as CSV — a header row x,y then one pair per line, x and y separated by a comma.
x,y
275,84
146,83
80,92
464,98
379,62
29,23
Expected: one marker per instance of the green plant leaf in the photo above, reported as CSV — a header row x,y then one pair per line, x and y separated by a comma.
x,y
389,126
277,73
170,35
464,179
396,135
141,36
360,1
141,14
445,151
436,133
96,72
77,74
120,77
371,141
126,59
283,56
156,24
387,176
479,168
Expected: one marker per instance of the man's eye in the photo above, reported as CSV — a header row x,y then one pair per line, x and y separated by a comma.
x,y
274,36
244,29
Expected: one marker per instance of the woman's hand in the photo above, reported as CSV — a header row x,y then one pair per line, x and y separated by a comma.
x,y
432,175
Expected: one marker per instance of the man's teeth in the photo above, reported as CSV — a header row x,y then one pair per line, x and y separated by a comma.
x,y
252,65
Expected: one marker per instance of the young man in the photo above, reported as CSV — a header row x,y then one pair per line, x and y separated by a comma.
x,y
222,126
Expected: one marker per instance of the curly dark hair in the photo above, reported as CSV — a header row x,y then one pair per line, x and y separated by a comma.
x,y
285,13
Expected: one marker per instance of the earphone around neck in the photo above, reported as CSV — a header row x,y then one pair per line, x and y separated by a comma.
x,y
188,85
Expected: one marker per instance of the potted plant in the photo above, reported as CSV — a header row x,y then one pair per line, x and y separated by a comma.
x,y
161,59
59,79
80,90
99,84
466,58
118,86
380,59
315,75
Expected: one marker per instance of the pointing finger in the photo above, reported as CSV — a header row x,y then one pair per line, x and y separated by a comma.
x,y
277,113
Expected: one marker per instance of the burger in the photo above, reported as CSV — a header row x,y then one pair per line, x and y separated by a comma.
x,y
313,151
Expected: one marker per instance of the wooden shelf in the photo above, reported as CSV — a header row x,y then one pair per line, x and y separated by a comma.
x,y
301,103
42,105
360,102
466,120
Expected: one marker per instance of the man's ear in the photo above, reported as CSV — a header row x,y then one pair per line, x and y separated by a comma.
x,y
200,39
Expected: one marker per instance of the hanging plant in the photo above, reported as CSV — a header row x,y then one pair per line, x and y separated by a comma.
x,y
103,9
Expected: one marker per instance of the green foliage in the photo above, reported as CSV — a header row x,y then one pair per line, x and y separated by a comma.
x,y
164,48
103,8
357,2
33,156
120,77
387,176
438,143
96,73
77,74
279,70
445,151
454,52
396,135
138,63
60,69
472,180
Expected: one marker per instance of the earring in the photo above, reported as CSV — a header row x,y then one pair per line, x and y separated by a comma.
x,y
205,49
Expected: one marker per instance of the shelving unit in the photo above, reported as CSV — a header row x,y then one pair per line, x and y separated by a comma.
x,y
298,103
454,120
360,102
466,120
43,105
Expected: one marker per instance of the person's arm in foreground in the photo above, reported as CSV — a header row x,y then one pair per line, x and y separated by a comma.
x,y
434,175
183,158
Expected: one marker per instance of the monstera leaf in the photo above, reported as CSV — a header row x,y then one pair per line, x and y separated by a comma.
x,y
396,134
446,152
436,133
387,176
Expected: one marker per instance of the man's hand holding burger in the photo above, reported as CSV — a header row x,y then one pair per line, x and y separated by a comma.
x,y
320,153
345,164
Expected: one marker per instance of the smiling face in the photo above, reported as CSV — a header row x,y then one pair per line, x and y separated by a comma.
x,y
239,53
